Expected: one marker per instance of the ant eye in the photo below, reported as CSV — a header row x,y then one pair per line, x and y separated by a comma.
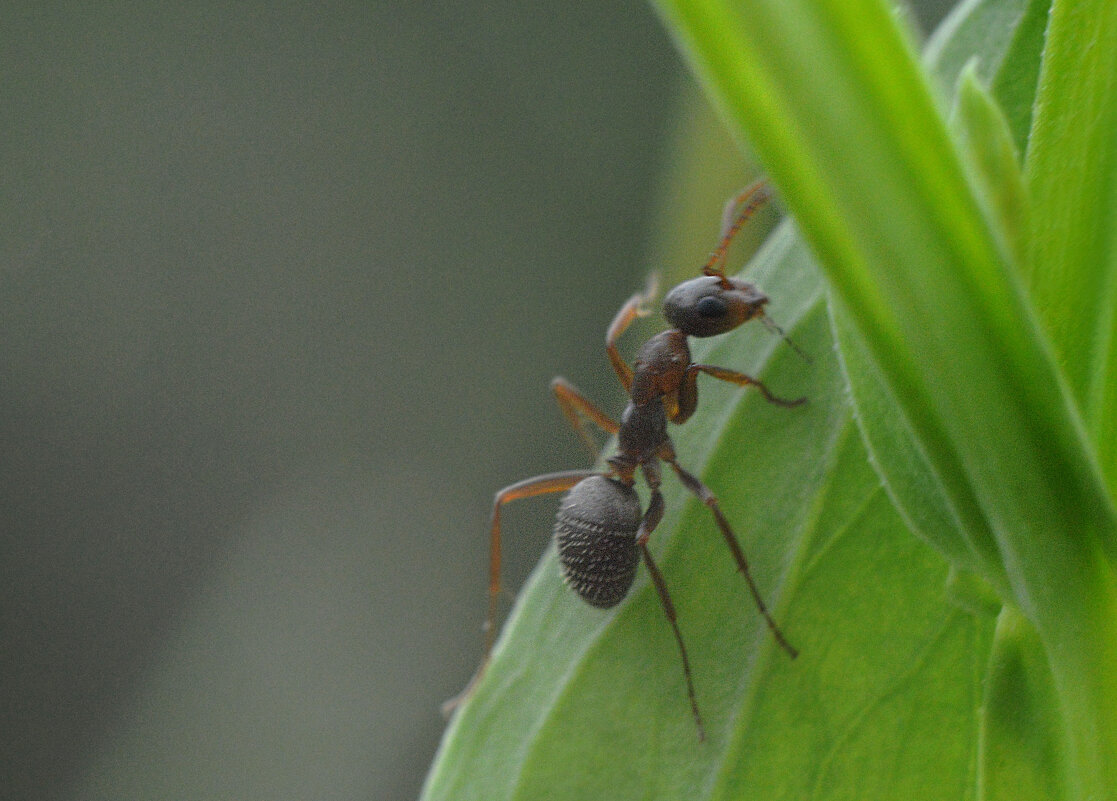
x,y
711,306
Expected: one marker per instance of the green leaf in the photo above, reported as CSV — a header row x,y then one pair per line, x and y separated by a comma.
x,y
1014,85
1007,36
983,134
932,511
991,31
975,27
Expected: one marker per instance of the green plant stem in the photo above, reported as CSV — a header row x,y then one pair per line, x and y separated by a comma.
x,y
1020,753
1081,645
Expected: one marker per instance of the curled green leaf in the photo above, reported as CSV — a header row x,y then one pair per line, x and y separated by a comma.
x,y
994,165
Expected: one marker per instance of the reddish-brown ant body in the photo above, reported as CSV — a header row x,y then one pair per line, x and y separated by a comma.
x,y
601,530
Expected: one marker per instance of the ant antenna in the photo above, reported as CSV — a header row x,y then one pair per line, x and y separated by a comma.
x,y
770,324
737,212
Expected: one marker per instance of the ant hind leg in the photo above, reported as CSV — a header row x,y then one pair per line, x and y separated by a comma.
x,y
651,519
669,612
547,484
707,497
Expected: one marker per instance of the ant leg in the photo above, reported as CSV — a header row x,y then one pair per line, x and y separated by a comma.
x,y
635,306
707,497
528,488
669,611
577,408
737,212
740,379
647,525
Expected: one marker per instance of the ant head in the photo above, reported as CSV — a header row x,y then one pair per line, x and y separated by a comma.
x,y
712,304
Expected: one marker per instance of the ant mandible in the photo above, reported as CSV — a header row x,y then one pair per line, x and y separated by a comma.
x,y
600,529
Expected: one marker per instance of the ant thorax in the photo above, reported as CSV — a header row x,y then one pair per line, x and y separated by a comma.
x,y
659,366
643,431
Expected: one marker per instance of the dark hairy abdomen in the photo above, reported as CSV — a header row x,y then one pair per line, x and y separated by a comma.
x,y
596,530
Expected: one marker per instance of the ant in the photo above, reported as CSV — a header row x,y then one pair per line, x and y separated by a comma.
x,y
600,527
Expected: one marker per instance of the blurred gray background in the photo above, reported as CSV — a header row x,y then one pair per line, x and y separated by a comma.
x,y
281,291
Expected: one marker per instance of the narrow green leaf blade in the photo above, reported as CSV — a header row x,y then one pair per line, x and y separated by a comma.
x,y
1072,167
984,136
1007,36
986,34
972,27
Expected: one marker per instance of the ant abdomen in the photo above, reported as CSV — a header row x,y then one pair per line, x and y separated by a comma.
x,y
596,530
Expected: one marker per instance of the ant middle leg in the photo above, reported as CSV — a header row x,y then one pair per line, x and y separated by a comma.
x,y
740,379
636,306
577,409
707,497
547,484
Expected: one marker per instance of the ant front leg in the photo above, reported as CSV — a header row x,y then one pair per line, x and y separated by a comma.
x,y
738,210
540,485
690,381
707,497
577,408
635,306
